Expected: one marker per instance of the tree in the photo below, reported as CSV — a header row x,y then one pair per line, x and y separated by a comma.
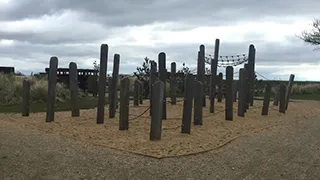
x,y
96,66
312,37
143,75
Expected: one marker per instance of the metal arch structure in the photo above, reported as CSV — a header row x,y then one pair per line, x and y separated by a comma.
x,y
225,61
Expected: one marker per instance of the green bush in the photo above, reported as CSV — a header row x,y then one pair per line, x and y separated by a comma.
x,y
11,89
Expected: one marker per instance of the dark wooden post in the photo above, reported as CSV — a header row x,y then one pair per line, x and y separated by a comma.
x,y
289,89
173,85
102,83
114,86
220,84
156,117
229,97
247,89
136,90
162,77
282,107
235,90
124,104
152,80
198,98
73,83
109,89
187,104
25,97
201,70
266,100
214,65
141,93
251,73
52,82
241,92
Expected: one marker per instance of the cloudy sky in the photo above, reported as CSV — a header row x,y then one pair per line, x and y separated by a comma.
x,y
34,30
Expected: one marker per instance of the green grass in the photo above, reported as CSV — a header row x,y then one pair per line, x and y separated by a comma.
x,y
84,103
315,97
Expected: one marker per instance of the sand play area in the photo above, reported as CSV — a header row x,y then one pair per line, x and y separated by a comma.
x,y
214,132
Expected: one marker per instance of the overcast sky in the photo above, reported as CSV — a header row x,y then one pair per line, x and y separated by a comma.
x,y
34,30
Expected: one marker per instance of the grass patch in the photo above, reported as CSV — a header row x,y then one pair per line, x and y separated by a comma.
x,y
84,103
306,97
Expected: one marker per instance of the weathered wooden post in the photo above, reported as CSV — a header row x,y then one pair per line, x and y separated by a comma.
x,y
247,89
25,97
136,90
266,99
52,82
124,104
113,92
276,96
73,86
213,68
229,97
241,97
141,93
173,85
289,89
187,104
235,90
251,73
220,84
282,106
156,117
201,70
152,80
109,89
162,77
198,98
102,83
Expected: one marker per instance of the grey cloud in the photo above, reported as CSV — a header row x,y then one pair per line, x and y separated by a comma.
x,y
127,12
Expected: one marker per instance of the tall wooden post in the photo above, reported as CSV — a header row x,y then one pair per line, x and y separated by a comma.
x,y
229,97
73,83
187,104
156,117
52,82
114,86
198,98
220,84
214,65
162,77
289,89
102,83
282,106
152,80
241,92
173,83
124,104
266,99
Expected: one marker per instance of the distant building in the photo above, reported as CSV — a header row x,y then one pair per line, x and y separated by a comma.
x,y
6,70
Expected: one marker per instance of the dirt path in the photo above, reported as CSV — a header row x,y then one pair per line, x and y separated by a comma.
x,y
289,151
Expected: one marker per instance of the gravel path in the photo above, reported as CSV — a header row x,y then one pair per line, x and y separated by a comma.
x,y
288,151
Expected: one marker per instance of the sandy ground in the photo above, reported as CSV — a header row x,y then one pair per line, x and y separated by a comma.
x,y
214,132
289,151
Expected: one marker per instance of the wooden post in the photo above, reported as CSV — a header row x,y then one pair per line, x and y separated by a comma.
x,y
247,89
266,100
282,107
162,77
198,98
73,85
102,83
114,84
229,97
136,89
141,93
25,97
214,65
220,83
156,117
251,73
109,89
152,80
52,82
173,84
187,104
289,89
124,104
201,71
235,90
241,92
276,96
